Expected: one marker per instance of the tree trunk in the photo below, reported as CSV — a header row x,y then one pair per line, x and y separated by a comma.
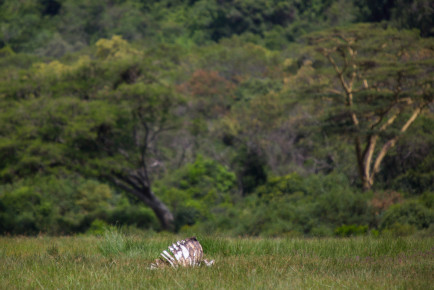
x,y
145,194
367,182
160,209
365,159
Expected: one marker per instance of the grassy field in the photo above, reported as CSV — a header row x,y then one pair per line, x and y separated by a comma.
x,y
117,261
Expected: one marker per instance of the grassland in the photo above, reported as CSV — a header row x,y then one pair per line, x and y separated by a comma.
x,y
117,261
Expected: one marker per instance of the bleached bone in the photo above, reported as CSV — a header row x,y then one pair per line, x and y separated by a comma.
x,y
186,253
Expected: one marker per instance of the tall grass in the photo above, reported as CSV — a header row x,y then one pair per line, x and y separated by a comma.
x,y
113,243
116,260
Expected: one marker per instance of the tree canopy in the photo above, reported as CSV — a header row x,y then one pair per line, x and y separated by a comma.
x,y
383,82
243,117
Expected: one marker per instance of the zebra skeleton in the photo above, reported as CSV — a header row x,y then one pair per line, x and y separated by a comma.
x,y
185,253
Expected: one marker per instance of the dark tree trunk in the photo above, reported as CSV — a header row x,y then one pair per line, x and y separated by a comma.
x,y
145,194
160,209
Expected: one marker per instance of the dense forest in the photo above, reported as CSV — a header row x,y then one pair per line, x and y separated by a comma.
x,y
237,117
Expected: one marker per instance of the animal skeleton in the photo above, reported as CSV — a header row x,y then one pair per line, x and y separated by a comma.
x,y
186,253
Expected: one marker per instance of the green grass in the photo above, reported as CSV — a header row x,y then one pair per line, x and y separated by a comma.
x,y
119,261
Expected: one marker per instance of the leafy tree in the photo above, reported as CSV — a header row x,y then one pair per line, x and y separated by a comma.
x,y
133,142
211,93
196,191
381,81
100,118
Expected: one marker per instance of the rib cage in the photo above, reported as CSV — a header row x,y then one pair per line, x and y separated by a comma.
x,y
185,253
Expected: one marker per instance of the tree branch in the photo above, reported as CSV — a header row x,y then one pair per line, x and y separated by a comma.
x,y
339,73
368,153
347,87
390,120
131,189
391,143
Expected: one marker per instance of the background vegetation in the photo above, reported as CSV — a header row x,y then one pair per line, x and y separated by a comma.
x,y
259,118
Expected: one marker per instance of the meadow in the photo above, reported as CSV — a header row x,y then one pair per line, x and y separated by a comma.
x,y
115,260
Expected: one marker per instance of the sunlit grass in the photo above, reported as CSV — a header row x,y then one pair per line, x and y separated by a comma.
x,y
119,261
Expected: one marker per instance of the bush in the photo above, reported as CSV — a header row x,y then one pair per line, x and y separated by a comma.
x,y
292,205
24,211
412,213
66,205
321,231
131,214
195,190
351,230
399,230
97,227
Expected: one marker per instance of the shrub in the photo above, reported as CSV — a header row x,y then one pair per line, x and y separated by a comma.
x,y
351,230
194,190
132,214
97,227
66,205
412,213
292,205
24,211
399,230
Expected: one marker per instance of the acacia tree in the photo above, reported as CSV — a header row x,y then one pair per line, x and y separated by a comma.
x,y
380,81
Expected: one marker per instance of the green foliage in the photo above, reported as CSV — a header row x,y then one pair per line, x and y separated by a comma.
x,y
221,105
251,169
93,196
55,28
412,175
24,211
137,215
399,230
196,191
97,228
412,213
381,83
350,230
403,14
293,206
65,205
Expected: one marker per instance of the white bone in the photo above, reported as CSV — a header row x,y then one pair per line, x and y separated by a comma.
x,y
178,255
168,260
176,252
185,252
168,255
194,258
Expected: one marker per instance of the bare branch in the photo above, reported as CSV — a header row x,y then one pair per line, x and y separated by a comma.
x,y
368,153
390,120
391,143
334,91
